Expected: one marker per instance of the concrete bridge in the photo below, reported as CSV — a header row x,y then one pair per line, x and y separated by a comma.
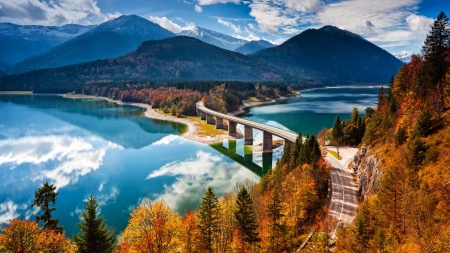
x,y
217,118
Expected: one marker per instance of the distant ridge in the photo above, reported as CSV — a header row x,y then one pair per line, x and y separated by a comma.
x,y
107,40
18,42
332,55
214,38
254,46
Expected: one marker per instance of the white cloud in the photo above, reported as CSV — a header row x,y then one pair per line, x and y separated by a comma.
x,y
198,8
304,5
209,2
10,210
170,25
236,28
195,175
56,12
420,25
75,156
166,140
104,199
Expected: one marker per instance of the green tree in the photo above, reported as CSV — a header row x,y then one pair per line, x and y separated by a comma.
x,y
43,196
400,136
94,236
436,50
208,220
337,131
276,226
246,218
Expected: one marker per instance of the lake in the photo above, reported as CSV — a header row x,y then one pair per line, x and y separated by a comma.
x,y
86,146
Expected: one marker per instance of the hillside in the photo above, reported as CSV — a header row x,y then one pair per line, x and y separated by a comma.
x,y
254,46
176,58
333,56
214,38
107,40
403,167
18,42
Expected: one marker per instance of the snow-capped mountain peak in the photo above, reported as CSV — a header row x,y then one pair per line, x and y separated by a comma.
x,y
215,38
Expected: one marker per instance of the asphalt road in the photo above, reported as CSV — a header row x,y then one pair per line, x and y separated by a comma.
x,y
343,206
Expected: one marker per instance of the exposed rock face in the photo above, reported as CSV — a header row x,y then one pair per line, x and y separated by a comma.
x,y
366,166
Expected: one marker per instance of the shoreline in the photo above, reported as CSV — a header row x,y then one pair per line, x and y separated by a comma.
x,y
192,126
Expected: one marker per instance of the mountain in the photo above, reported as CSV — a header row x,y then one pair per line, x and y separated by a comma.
x,y
214,38
254,46
176,58
405,57
18,42
110,39
332,56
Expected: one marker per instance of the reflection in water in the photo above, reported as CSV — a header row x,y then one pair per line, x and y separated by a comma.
x,y
93,146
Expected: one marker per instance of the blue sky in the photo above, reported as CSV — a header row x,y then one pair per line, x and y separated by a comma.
x,y
395,25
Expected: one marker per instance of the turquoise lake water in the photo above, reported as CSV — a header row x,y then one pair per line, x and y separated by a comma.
x,y
86,146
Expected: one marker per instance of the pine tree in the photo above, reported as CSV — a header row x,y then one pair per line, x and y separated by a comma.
x,y
42,198
246,218
436,50
276,227
295,151
95,236
208,220
337,131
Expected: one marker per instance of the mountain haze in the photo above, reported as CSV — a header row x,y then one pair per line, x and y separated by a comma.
x,y
18,42
214,38
176,58
107,40
331,55
254,46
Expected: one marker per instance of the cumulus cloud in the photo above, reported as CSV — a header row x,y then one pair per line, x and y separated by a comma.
x,y
57,12
74,156
170,25
209,2
195,174
198,8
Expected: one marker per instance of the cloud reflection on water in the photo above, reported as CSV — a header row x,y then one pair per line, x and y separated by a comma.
x,y
194,175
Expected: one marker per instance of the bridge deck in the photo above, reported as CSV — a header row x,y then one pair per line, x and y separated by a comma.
x,y
285,134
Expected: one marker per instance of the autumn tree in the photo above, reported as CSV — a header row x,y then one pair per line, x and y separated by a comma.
x,y
189,232
208,220
94,235
337,132
155,228
246,218
43,198
27,236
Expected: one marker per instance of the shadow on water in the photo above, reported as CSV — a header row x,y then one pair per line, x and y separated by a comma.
x,y
247,159
95,115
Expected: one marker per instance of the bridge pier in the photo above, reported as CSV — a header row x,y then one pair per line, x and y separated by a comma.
x,y
219,123
231,128
209,119
197,111
248,135
267,161
267,142
232,146
202,115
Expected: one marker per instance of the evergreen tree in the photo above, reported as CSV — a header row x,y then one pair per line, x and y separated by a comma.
x,y
436,50
43,196
337,131
94,236
246,218
208,220
295,151
276,227
355,116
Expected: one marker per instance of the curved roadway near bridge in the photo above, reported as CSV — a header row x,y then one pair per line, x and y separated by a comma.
x,y
343,205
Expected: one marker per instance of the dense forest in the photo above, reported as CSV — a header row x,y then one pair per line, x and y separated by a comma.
x,y
409,134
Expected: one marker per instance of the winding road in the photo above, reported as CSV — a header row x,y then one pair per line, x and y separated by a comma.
x,y
343,205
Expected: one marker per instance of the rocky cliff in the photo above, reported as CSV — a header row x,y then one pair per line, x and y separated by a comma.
x,y
366,166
